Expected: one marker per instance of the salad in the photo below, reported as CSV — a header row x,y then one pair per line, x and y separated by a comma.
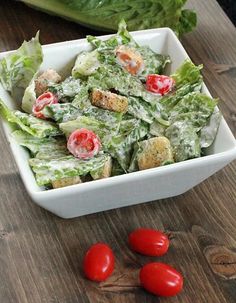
x,y
116,113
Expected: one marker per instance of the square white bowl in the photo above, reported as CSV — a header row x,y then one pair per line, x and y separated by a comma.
x,y
133,188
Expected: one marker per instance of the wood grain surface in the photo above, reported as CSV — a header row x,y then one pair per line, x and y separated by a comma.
x,y
41,254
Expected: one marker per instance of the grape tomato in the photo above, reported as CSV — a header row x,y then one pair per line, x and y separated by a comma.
x,y
161,279
99,262
148,242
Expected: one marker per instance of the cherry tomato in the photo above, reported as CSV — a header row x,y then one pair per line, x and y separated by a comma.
x,y
43,100
149,242
83,143
161,279
159,84
98,262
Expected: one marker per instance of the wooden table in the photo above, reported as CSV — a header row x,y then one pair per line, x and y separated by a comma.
x,y
41,254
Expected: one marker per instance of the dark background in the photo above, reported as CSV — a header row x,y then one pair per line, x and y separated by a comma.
x,y
229,6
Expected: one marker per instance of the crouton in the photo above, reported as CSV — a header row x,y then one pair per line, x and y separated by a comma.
x,y
48,77
66,182
104,172
110,101
154,152
130,59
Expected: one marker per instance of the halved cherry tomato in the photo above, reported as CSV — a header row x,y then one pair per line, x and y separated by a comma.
x,y
83,143
98,262
149,242
161,279
159,84
43,100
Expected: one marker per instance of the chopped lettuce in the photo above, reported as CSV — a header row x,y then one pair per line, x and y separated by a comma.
x,y
184,141
66,90
43,146
194,108
61,112
29,97
169,101
18,68
104,130
46,170
86,64
154,63
28,123
122,145
187,73
209,131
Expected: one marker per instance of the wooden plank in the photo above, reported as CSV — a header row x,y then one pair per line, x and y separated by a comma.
x,y
41,255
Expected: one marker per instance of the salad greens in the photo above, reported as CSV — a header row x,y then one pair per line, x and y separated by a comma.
x,y
184,120
17,69
106,14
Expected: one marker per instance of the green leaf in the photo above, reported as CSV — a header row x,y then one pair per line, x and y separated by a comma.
x,y
184,141
194,109
41,147
187,73
188,21
46,170
86,64
18,68
66,90
209,131
28,123
106,14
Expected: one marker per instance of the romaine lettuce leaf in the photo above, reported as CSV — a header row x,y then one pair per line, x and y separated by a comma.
x,y
41,146
29,97
184,141
61,112
194,108
140,109
28,123
169,101
46,170
121,146
187,73
66,90
154,63
18,68
86,64
106,14
209,131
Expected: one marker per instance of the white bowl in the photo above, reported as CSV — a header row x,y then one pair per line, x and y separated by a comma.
x,y
133,188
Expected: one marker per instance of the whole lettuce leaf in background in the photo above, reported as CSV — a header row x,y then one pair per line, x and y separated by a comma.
x,y
106,14
18,68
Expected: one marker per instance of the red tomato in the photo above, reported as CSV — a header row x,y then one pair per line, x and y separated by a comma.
x,y
149,242
98,262
159,84
83,143
43,100
161,279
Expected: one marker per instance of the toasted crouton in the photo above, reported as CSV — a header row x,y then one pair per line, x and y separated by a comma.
x,y
66,182
154,152
130,59
105,171
110,101
48,77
